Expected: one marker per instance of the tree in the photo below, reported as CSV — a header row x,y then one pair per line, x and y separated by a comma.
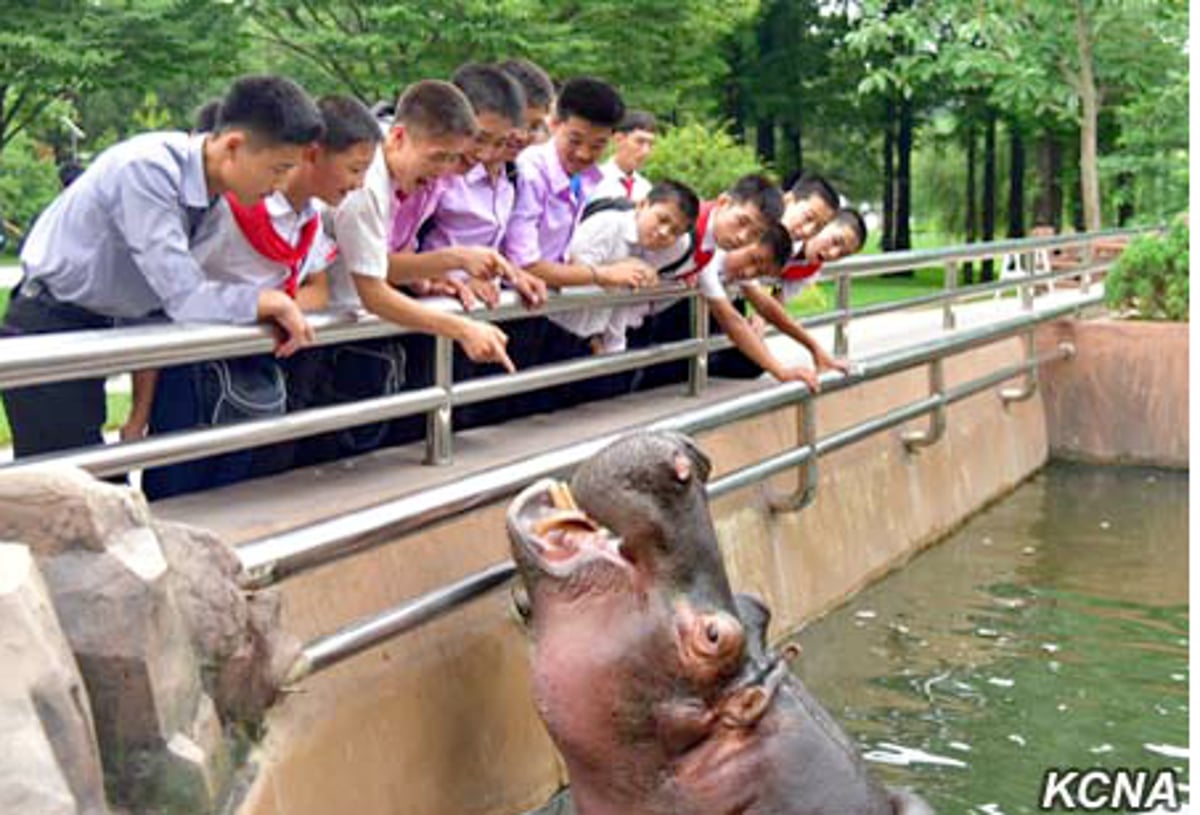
x,y
74,50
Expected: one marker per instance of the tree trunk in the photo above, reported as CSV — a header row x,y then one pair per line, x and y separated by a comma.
x,y
1047,207
904,145
765,139
887,235
1016,182
972,224
1125,208
1089,99
989,190
792,139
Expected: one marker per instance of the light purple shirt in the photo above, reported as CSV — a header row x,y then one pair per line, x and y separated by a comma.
x,y
547,208
410,211
473,211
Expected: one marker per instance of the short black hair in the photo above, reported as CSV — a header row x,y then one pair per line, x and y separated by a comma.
x,y
348,122
490,90
273,108
593,100
851,218
435,108
539,90
779,241
206,116
758,191
808,186
638,120
681,195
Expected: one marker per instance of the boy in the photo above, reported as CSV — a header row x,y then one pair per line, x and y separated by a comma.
x,y
278,243
654,230
539,98
468,224
434,126
633,143
843,236
115,245
751,356
554,181
807,206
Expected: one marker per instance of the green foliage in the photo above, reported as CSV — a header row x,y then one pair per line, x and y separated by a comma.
x,y
1151,276
28,182
704,156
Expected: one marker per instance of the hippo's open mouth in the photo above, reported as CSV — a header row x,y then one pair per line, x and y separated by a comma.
x,y
555,535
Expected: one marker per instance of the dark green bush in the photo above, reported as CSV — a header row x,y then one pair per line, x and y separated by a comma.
x,y
703,156
1150,278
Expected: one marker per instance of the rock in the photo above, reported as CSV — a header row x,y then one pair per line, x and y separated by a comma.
x,y
245,652
49,762
118,607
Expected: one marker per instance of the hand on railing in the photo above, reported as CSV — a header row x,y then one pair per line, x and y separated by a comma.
x,y
530,288
293,330
482,263
484,342
798,373
631,273
824,362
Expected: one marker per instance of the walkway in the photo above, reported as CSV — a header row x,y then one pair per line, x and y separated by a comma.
x,y
255,509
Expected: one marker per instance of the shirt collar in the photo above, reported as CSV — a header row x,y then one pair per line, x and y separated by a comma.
x,y
193,186
629,230
278,206
556,174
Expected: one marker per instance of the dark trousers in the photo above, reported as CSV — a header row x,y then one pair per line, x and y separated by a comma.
x,y
207,394
674,324
55,416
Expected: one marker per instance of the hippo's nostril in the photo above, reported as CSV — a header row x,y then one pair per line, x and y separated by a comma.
x,y
713,632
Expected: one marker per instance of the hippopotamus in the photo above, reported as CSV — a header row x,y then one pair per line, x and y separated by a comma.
x,y
654,680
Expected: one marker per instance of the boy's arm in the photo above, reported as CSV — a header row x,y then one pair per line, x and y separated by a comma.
x,y
748,341
313,294
482,342
479,262
773,312
144,384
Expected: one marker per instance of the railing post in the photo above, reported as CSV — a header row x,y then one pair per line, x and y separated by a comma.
x,y
841,342
698,364
1028,386
915,439
806,490
950,283
439,425
1085,279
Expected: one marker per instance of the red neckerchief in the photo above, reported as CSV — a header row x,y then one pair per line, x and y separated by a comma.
x,y
800,269
627,183
700,255
256,226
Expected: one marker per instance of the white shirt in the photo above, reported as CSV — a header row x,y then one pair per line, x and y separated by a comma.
x,y
611,185
224,253
604,238
711,280
361,226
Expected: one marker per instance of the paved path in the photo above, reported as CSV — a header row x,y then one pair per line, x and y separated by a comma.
x,y
9,275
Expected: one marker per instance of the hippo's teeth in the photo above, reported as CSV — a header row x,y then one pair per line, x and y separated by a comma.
x,y
561,496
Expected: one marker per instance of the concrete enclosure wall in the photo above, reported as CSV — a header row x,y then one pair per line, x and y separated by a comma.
x,y
1124,399
441,720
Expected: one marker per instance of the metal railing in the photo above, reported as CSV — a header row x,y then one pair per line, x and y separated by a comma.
x,y
277,556
87,354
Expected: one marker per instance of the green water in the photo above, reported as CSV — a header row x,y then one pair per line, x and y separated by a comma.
x,y
1051,631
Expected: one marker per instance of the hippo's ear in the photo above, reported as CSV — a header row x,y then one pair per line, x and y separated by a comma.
x,y
701,465
756,618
